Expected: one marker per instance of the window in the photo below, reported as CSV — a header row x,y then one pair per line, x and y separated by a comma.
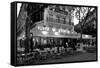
x,y
50,18
58,19
64,20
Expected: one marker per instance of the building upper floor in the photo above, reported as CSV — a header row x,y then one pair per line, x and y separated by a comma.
x,y
50,14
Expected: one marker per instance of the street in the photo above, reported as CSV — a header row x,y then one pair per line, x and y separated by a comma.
x,y
69,58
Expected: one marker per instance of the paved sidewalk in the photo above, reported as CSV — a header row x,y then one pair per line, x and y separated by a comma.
x,y
70,58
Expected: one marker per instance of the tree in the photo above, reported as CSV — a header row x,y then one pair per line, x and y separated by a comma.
x,y
90,23
84,26
81,13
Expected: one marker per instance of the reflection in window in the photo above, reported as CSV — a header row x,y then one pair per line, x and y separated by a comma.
x,y
43,41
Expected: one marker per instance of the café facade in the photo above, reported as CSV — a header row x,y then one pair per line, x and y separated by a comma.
x,y
56,29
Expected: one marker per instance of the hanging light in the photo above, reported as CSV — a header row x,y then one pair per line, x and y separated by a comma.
x,y
23,36
86,36
47,28
60,30
73,32
44,32
56,33
40,27
44,28
64,31
67,31
53,29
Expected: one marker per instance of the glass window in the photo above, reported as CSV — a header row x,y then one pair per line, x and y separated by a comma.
x,y
64,21
58,19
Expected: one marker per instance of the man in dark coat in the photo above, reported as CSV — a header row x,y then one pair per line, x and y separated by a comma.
x,y
31,42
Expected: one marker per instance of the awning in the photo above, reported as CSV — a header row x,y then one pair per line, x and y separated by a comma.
x,y
37,32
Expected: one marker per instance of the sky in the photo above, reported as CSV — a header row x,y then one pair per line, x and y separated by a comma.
x,y
19,6
76,21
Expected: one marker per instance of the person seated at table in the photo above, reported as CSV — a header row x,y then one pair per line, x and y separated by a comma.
x,y
65,46
55,49
62,49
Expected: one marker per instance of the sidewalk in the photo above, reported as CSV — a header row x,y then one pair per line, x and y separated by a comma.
x,y
70,58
